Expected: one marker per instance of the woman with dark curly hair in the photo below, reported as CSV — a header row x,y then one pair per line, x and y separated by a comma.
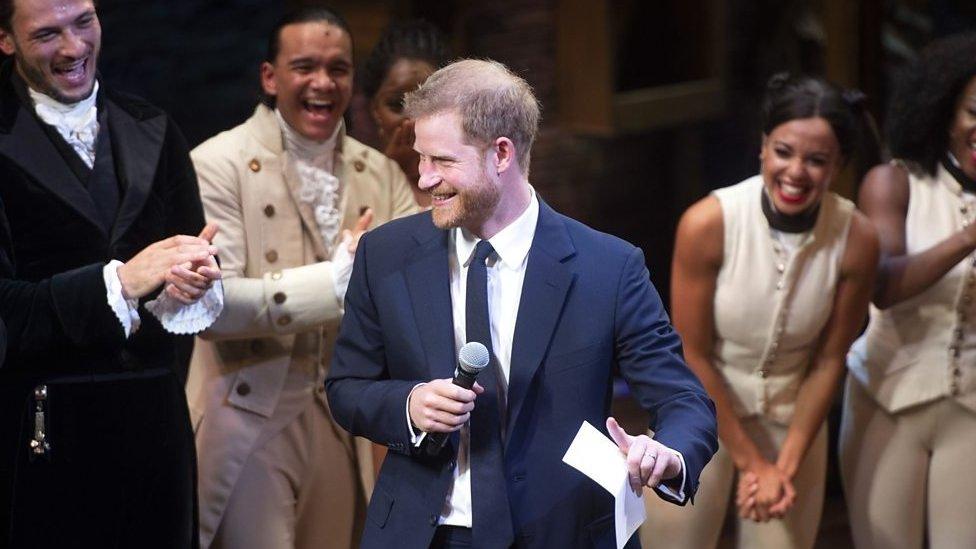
x,y
771,283
405,56
909,430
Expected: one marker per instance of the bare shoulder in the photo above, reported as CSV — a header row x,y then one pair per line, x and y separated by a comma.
x,y
703,218
701,231
863,245
885,186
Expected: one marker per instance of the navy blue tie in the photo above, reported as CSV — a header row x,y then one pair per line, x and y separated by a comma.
x,y
491,517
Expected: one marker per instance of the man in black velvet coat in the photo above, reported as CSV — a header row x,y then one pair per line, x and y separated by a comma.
x,y
96,448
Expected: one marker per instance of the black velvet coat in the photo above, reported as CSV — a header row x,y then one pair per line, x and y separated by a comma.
x,y
120,468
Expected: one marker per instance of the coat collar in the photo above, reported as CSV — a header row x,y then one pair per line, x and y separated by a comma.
x,y
23,140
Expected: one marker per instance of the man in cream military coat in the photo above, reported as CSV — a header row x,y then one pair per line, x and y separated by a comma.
x,y
288,189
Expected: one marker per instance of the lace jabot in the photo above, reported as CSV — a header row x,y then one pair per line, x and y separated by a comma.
x,y
77,123
313,162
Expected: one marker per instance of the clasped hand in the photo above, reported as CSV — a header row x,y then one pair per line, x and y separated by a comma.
x,y
184,263
764,492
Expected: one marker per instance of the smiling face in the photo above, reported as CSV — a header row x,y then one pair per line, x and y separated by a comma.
x,y
55,44
799,158
311,78
455,173
387,105
962,132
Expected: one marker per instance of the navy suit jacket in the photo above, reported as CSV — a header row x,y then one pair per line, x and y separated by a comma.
x,y
587,307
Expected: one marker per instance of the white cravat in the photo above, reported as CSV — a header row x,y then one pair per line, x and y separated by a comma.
x,y
77,123
313,162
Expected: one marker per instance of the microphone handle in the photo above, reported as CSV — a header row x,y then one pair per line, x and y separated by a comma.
x,y
435,441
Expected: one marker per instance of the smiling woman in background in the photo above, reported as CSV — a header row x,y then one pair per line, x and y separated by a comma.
x,y
405,56
771,282
909,430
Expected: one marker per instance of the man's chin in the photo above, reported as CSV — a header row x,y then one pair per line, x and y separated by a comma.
x,y
71,95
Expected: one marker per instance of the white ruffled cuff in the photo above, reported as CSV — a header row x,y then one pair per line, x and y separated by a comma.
x,y
126,310
342,269
181,319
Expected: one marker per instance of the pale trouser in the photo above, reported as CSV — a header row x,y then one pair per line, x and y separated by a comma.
x,y
904,471
699,526
300,489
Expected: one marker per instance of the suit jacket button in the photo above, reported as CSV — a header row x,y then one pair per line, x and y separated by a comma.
x,y
269,210
359,165
280,297
271,256
433,519
284,320
243,388
254,165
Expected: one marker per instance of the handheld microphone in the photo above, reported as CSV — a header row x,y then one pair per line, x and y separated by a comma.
x,y
472,359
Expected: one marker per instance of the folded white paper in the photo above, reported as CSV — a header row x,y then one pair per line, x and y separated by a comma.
x,y
599,458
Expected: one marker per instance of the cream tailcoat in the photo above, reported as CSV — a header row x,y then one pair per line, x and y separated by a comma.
x,y
264,359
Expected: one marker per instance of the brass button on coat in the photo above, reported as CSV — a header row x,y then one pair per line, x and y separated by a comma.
x,y
271,256
254,165
280,297
269,210
243,388
284,320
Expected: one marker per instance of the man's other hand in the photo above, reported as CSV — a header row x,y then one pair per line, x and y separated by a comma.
x,y
648,461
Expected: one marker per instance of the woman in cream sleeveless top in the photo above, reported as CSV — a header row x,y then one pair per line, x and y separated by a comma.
x,y
908,439
771,282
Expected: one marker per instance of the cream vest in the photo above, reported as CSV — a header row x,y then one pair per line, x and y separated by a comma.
x,y
770,308
924,348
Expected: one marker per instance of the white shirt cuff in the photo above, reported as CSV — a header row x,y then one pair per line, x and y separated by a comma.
x,y
126,310
181,319
678,496
415,438
342,269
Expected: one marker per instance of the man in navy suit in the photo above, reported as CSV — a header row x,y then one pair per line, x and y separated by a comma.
x,y
558,304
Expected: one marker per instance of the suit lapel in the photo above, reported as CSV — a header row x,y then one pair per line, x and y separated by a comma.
x,y
30,148
429,283
135,163
548,279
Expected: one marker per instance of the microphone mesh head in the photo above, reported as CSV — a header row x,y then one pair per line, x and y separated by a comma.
x,y
473,357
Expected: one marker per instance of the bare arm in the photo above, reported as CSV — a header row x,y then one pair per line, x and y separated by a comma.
x,y
697,259
884,199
